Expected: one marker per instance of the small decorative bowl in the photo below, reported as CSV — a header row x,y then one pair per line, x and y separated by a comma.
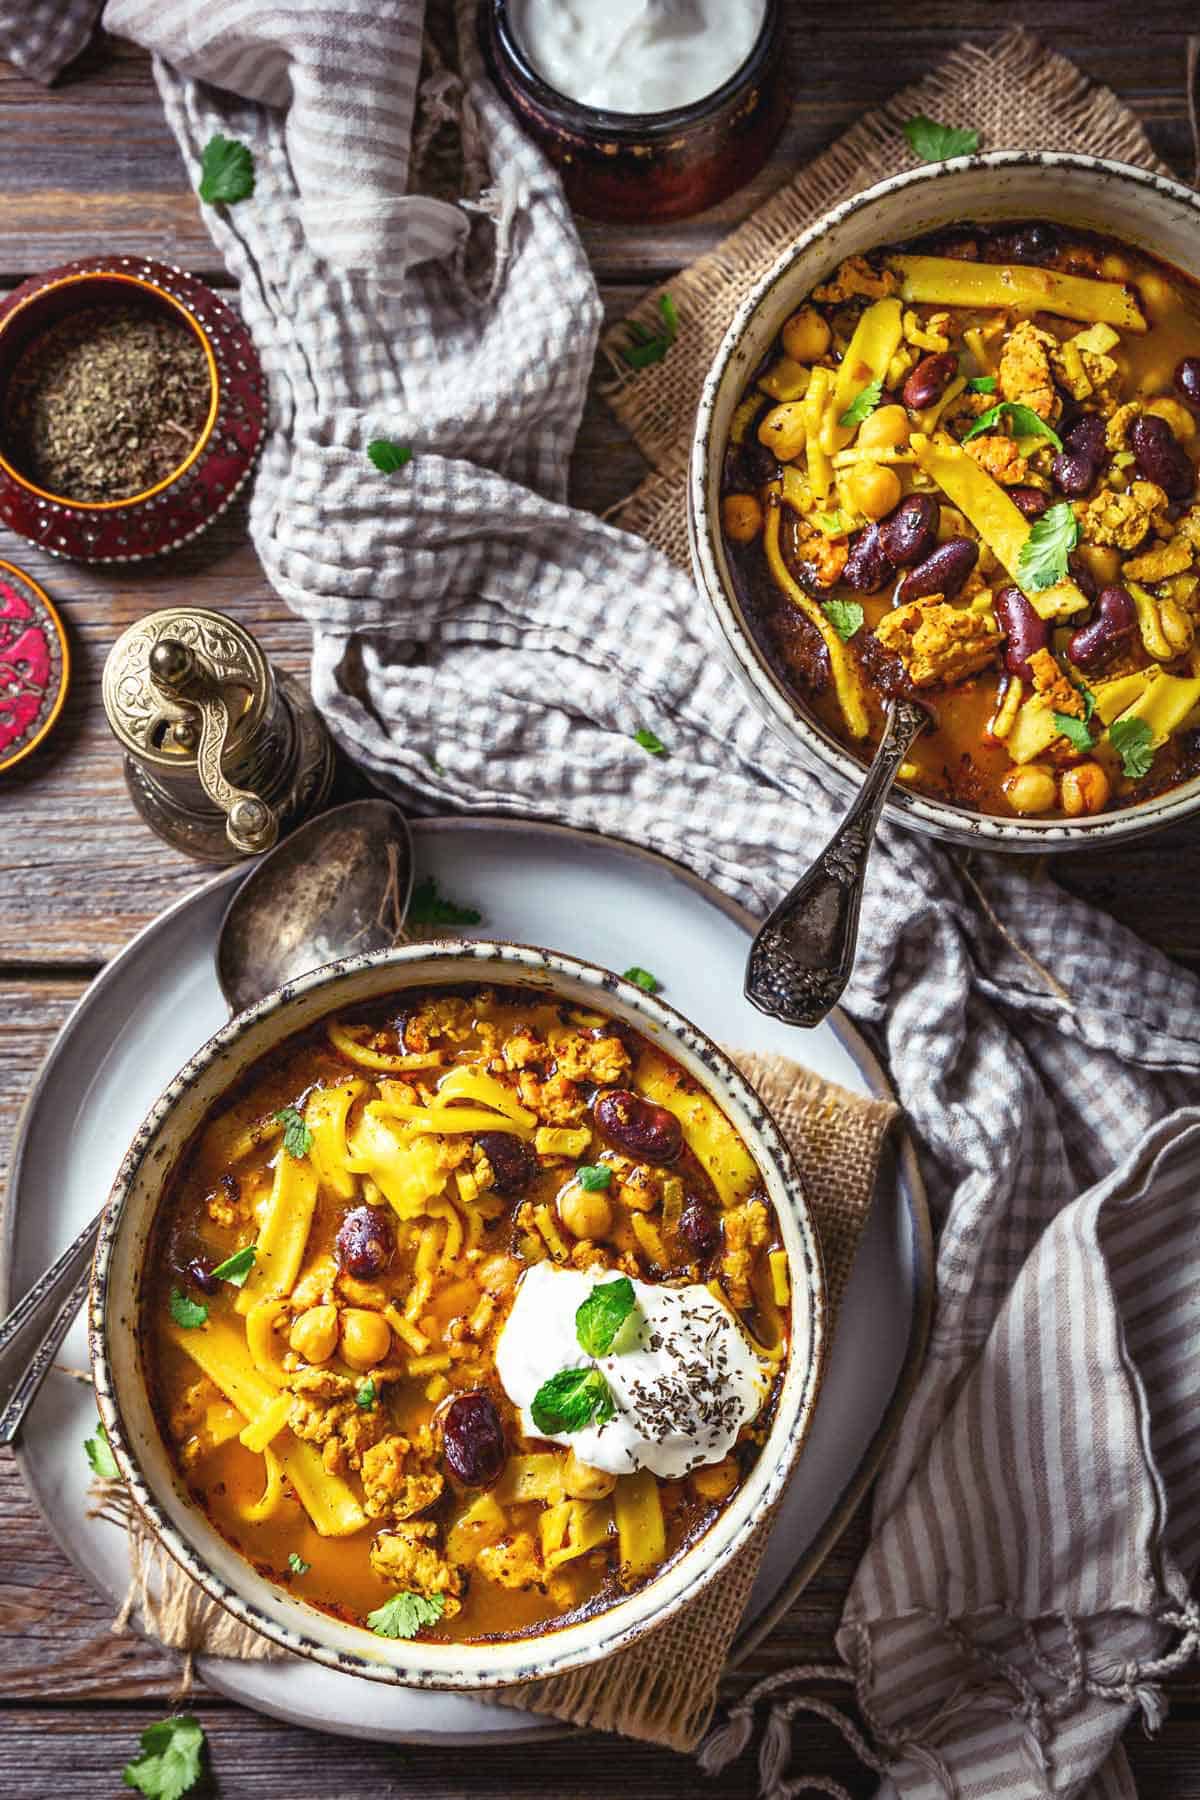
x,y
647,166
213,471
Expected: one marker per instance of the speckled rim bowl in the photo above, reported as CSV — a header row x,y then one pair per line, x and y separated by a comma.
x,y
120,1379
1148,211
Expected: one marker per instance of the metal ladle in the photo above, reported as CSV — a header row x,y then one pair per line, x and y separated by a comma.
x,y
340,884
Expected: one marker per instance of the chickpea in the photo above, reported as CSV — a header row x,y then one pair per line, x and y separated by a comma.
x,y
1113,267
874,489
742,517
782,430
1101,561
1157,295
1031,789
1178,416
314,1334
886,429
582,1482
715,1481
806,335
1157,377
1176,625
366,1337
585,1212
1085,789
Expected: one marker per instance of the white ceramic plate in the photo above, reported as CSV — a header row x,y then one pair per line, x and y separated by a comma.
x,y
605,901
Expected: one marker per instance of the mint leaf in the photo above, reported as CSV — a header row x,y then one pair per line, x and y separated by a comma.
x,y
981,384
404,1614
428,907
226,171
1043,558
846,617
599,1319
235,1268
572,1399
864,402
297,1564
366,1394
594,1177
297,1138
649,741
642,978
169,1765
935,143
100,1456
1131,739
1074,730
1024,421
186,1313
387,456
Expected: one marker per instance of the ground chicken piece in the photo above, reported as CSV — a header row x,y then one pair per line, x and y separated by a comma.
x,y
1161,560
603,1060
1049,679
745,1228
188,1412
1025,370
999,457
855,276
1187,526
452,1152
411,1558
226,1206
826,556
1116,432
523,1048
448,1018
513,1562
556,1102
1121,520
934,334
316,1287
325,1412
394,1482
1084,372
937,642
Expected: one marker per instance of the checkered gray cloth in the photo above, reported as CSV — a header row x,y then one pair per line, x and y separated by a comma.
x,y
476,643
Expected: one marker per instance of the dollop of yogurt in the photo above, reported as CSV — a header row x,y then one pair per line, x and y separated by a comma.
x,y
683,1375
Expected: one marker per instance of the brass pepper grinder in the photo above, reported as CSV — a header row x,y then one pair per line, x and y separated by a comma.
x,y
223,754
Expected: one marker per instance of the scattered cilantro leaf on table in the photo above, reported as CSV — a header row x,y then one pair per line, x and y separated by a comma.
x,y
1024,421
235,1268
642,978
651,346
572,1399
169,1765
649,741
846,617
297,1138
594,1177
599,1318
226,171
297,1564
936,143
863,403
1043,558
404,1614
388,456
100,1456
186,1313
1074,730
1131,739
428,907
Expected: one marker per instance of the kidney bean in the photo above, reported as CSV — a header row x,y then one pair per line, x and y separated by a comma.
x,y
929,380
1116,619
761,465
942,572
700,1229
1072,473
473,1440
365,1243
646,1132
1161,457
867,567
1187,379
1025,631
200,1273
1087,437
1034,242
1030,501
1081,575
514,1164
910,532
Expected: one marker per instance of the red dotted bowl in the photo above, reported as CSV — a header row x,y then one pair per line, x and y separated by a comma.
x,y
215,468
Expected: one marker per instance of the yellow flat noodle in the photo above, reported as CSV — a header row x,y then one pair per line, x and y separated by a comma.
x,y
434,1364
948,281
221,1422
483,1523
532,1475
476,1084
406,1170
572,1528
845,676
264,1342
708,1132
1164,705
424,1263
1113,697
405,1329
1149,621
996,518
327,1499
452,1121
765,1352
219,1349
267,1425
820,472
786,379
401,1064
781,1281
650,1239
551,1236
640,1529
325,1114
876,340
284,1233
452,1243
232,1137
259,1511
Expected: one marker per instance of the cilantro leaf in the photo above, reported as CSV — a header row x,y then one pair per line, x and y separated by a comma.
x,y
669,317
572,1399
404,1614
846,617
598,1320
226,171
1043,558
1024,421
366,1394
934,143
594,1177
297,1138
186,1313
100,1456
387,456
864,402
1074,730
1131,739
169,1765
981,384
647,346
1089,700
649,741
297,1564
642,978
428,907
235,1268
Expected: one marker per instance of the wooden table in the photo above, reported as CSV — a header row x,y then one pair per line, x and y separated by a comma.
x,y
92,167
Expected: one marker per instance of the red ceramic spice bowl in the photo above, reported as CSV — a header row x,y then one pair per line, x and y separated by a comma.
x,y
213,467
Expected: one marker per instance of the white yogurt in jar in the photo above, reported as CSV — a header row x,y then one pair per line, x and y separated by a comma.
x,y
636,56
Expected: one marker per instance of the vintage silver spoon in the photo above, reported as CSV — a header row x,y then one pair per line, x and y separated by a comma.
x,y
338,885
802,957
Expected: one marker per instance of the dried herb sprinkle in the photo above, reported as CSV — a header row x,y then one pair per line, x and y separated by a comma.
x,y
107,403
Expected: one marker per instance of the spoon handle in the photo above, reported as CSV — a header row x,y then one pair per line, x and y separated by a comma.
x,y
804,952
31,1334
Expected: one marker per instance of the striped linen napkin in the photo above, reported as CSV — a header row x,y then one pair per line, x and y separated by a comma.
x,y
476,643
